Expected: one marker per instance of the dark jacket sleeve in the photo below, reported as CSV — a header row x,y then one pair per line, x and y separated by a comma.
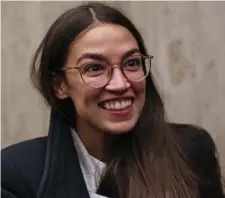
x,y
209,168
12,183
7,194
21,169
201,152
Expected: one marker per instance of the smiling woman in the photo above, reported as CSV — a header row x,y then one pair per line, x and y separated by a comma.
x,y
108,136
93,54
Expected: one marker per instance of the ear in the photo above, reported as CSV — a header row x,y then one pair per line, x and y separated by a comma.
x,y
60,87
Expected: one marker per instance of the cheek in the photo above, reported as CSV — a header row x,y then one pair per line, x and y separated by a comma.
x,y
84,101
81,94
140,88
83,98
140,91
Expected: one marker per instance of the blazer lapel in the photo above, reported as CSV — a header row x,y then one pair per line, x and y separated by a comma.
x,y
62,177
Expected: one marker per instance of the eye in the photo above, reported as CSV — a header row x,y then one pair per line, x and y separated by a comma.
x,y
132,63
94,69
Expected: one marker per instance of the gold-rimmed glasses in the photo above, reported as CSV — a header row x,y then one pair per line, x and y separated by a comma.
x,y
97,73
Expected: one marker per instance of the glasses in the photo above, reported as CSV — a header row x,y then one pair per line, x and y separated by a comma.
x,y
97,73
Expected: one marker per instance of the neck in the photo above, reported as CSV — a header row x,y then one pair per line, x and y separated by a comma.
x,y
96,142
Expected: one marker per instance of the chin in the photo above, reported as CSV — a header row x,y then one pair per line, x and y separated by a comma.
x,y
119,128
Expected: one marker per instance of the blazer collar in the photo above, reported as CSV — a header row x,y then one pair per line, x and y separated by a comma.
x,y
62,177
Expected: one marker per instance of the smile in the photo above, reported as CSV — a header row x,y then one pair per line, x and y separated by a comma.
x,y
117,105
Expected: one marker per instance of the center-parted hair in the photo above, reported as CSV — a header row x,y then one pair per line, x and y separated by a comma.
x,y
147,162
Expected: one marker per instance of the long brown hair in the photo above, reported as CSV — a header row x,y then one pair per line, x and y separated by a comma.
x,y
148,162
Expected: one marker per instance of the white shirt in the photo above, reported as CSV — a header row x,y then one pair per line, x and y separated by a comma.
x,y
91,167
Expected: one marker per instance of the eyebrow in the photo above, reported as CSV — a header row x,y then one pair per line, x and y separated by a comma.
x,y
101,57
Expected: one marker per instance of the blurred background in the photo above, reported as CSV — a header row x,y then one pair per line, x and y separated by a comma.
x,y
186,38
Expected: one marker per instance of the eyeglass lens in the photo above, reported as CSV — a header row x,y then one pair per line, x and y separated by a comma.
x,y
98,73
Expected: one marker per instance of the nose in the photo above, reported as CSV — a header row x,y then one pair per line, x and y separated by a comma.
x,y
117,82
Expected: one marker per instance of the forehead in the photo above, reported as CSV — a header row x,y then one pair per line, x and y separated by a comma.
x,y
107,39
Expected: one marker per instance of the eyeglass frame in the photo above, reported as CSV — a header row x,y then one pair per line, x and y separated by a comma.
x,y
149,57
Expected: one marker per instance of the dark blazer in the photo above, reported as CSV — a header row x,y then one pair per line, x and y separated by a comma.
x,y
48,167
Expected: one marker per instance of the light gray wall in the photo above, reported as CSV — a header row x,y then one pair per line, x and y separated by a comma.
x,y
186,38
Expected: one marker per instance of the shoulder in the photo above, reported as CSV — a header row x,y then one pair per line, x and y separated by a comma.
x,y
194,137
200,151
24,147
190,130
25,152
22,165
196,142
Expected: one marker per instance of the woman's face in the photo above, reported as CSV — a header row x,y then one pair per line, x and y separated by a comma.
x,y
116,107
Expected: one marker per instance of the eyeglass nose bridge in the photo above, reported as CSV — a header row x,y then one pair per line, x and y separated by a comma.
x,y
117,65
121,69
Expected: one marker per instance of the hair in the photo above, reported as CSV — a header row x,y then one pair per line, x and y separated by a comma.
x,y
148,162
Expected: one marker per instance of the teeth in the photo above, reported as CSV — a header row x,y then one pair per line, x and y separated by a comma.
x,y
107,106
123,104
116,105
111,106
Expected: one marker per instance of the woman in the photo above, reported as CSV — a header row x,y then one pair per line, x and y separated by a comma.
x,y
107,134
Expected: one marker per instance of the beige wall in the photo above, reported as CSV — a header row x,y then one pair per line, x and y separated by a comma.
x,y
186,38
188,42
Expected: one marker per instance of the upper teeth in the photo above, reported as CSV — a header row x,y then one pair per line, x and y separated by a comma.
x,y
118,104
